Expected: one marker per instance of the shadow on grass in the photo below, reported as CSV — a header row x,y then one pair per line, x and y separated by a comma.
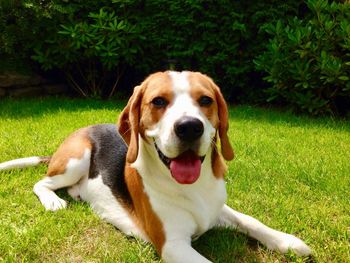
x,y
36,107
227,245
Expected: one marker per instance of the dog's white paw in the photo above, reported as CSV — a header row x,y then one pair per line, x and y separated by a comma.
x,y
52,202
289,242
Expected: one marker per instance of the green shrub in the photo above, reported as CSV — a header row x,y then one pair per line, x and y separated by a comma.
x,y
22,25
86,40
88,51
307,61
94,42
220,38
194,35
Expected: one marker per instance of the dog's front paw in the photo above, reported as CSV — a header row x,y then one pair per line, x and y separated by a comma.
x,y
291,243
52,202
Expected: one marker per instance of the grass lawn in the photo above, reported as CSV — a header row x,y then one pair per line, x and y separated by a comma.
x,y
290,172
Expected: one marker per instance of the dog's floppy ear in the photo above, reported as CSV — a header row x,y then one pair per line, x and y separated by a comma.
x,y
226,148
128,124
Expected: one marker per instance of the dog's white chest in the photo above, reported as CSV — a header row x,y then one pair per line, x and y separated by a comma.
x,y
207,203
191,209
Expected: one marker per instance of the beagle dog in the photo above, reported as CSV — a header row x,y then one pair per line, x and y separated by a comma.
x,y
158,174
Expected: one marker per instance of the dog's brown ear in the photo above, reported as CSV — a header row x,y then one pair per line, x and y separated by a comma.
x,y
226,148
128,124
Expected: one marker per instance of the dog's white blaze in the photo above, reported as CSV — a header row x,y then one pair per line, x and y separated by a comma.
x,y
185,105
180,81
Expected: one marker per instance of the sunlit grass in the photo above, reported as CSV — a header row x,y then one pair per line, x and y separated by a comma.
x,y
290,172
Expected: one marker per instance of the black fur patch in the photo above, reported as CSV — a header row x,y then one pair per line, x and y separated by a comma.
x,y
108,159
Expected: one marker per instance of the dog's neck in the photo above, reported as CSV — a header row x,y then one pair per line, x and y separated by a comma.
x,y
204,198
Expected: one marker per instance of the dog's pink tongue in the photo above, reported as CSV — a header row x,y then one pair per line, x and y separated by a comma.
x,y
186,168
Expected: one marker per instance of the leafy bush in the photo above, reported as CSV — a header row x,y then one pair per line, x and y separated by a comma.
x,y
220,38
307,61
88,51
86,40
22,25
188,35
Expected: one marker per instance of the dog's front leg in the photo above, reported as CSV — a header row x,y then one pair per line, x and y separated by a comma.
x,y
181,251
271,238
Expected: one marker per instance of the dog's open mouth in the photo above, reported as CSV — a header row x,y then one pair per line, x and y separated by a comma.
x,y
185,168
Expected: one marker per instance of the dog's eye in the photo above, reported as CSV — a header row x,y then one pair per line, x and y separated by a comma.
x,y
160,102
205,101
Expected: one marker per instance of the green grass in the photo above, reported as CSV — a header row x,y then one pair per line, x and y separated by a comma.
x,y
290,172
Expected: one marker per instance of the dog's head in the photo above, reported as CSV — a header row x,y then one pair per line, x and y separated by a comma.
x,y
180,114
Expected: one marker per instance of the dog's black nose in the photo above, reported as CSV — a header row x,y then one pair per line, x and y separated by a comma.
x,y
188,129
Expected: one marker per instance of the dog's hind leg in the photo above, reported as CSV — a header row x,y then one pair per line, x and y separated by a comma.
x,y
273,239
74,171
69,164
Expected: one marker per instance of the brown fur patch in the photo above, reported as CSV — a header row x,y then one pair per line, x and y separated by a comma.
x,y
140,113
217,114
159,85
45,159
142,212
73,146
204,82
218,165
200,86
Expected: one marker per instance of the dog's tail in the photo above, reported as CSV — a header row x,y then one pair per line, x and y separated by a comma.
x,y
25,162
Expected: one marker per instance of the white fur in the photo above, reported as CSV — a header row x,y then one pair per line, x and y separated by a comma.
x,y
75,170
74,192
179,81
105,204
20,163
181,251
